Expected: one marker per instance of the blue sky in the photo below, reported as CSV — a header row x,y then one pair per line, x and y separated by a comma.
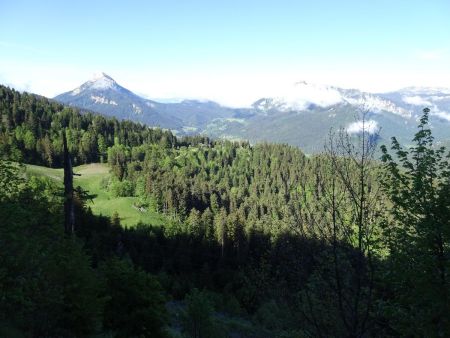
x,y
230,51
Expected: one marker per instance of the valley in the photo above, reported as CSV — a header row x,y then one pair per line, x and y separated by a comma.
x,y
225,169
244,240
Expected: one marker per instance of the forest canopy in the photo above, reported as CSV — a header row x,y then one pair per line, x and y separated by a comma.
x,y
258,240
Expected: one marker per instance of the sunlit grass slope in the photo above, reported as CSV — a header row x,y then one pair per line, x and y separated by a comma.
x,y
103,202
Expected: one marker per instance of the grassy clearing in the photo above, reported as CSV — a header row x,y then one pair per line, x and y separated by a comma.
x,y
55,174
103,203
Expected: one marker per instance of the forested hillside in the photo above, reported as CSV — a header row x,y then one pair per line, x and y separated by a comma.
x,y
257,241
32,126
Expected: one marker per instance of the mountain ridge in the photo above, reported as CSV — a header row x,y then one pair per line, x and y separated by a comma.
x,y
302,115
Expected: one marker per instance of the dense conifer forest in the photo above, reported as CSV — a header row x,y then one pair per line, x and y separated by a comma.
x,y
258,240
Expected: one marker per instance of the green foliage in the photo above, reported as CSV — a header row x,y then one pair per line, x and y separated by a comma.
x,y
417,183
31,125
48,286
11,183
95,179
274,316
135,305
198,321
226,189
102,148
289,243
122,188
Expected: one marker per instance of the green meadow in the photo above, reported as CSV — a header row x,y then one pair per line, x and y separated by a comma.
x,y
103,202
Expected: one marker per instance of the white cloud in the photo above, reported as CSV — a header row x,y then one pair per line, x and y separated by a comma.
x,y
238,87
416,100
369,126
441,98
303,94
442,114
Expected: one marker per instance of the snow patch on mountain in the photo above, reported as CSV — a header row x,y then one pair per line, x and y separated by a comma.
x,y
376,104
234,119
189,129
137,109
75,91
102,81
370,126
103,100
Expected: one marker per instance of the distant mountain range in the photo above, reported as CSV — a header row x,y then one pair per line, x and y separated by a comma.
x,y
303,116
104,95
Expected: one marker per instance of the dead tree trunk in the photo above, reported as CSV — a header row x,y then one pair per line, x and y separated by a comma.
x,y
69,212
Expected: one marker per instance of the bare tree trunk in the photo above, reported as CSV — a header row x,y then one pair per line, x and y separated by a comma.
x,y
342,209
69,212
